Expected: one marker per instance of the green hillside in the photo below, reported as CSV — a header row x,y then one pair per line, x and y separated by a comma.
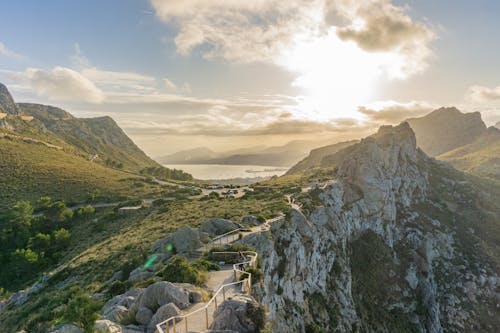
x,y
31,170
480,157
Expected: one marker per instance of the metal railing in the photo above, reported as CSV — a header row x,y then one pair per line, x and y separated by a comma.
x,y
175,323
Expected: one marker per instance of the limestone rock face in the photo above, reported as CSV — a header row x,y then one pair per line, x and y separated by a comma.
x,y
184,239
375,250
250,220
240,314
215,227
163,313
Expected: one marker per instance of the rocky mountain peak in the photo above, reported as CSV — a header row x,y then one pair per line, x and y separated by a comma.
x,y
7,104
497,125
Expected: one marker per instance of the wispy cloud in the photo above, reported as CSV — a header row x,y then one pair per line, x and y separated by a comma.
x,y
6,52
481,94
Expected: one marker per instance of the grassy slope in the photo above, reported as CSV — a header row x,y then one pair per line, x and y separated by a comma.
x,y
480,157
31,170
104,246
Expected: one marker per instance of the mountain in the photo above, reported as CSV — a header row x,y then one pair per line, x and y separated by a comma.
x,y
445,129
497,125
46,151
283,156
190,156
316,156
481,157
462,139
392,241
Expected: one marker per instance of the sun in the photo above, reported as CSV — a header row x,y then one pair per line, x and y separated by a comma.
x,y
335,76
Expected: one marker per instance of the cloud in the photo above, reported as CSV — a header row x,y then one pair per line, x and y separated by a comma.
x,y
61,83
6,52
390,112
483,94
169,84
260,30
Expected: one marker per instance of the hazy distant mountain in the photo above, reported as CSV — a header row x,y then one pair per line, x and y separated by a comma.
x,y
285,155
497,125
445,129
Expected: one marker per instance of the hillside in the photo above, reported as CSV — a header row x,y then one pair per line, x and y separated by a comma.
x,y
445,129
481,157
392,241
46,151
316,156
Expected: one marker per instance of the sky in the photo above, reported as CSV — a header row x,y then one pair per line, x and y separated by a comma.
x,y
227,74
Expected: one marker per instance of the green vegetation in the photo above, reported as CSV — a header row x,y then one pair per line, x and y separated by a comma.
x,y
165,173
82,311
180,270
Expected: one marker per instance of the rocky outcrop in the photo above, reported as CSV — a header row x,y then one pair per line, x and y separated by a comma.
x,y
240,314
67,328
373,251
250,220
7,104
184,239
216,226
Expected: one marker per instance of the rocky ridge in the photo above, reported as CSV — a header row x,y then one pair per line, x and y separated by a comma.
x,y
373,252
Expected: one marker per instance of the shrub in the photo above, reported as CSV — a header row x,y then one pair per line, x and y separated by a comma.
x,y
82,311
179,270
117,288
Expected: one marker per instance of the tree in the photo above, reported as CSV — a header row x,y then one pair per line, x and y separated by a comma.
x,y
39,243
82,311
15,227
24,261
88,211
44,202
61,239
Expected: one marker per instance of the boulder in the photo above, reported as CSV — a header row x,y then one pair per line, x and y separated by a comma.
x,y
215,227
125,300
67,328
250,220
163,313
195,297
140,274
161,293
132,329
107,326
19,298
185,239
144,315
240,314
117,313
117,276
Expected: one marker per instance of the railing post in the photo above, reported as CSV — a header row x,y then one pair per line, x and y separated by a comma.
x,y
186,324
174,327
223,293
250,285
167,325
215,301
206,317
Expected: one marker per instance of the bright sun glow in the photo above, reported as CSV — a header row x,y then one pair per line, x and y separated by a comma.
x,y
336,76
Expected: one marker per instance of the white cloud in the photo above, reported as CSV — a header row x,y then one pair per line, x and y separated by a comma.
x,y
169,84
61,83
391,112
481,94
6,52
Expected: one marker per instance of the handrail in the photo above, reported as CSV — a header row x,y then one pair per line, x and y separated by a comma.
x,y
247,280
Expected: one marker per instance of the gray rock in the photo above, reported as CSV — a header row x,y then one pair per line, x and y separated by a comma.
x,y
250,220
216,226
117,276
184,239
19,298
107,326
144,315
161,293
117,313
240,314
164,312
140,274
195,297
67,328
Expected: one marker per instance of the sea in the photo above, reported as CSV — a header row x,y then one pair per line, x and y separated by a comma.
x,y
222,171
